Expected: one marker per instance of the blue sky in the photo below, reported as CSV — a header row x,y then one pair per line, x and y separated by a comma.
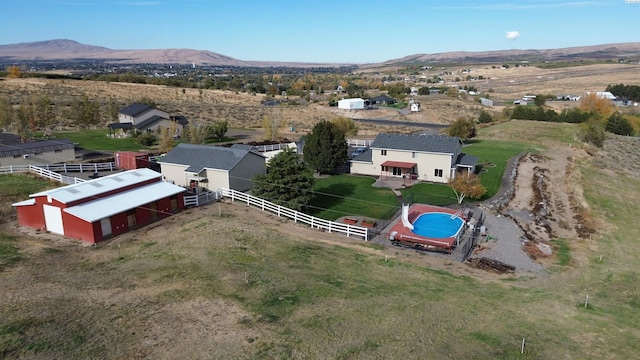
x,y
352,31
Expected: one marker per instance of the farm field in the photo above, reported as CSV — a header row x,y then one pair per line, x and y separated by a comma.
x,y
210,283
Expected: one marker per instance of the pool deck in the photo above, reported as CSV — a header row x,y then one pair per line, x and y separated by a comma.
x,y
414,211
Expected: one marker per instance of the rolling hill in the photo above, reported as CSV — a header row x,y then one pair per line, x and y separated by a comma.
x,y
61,49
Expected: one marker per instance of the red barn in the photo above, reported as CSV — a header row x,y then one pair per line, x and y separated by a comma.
x,y
101,208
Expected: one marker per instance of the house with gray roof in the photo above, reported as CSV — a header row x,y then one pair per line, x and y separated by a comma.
x,y
199,167
433,158
37,152
145,118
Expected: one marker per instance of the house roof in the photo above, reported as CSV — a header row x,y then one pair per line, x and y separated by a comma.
x,y
35,147
467,160
200,157
108,206
418,142
134,109
382,98
148,122
125,125
180,119
95,187
366,156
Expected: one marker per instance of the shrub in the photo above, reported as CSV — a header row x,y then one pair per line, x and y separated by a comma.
x,y
146,139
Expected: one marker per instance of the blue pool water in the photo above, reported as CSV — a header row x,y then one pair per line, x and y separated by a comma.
x,y
437,225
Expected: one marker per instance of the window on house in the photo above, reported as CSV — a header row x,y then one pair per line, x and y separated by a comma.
x,y
58,151
414,155
383,152
437,173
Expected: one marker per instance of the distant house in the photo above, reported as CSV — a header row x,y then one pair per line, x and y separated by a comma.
x,y
435,158
144,118
382,100
351,104
212,167
415,106
101,208
604,95
486,102
37,152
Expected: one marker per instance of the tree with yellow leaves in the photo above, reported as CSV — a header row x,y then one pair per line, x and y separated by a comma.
x,y
595,104
13,72
467,185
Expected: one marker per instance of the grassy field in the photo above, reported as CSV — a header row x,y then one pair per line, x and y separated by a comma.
x,y
209,283
97,139
343,195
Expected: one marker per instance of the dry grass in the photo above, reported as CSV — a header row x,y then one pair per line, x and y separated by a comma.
x,y
243,110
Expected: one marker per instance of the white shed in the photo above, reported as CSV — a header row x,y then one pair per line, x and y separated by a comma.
x,y
351,104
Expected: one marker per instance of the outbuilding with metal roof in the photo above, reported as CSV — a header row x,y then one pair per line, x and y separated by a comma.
x,y
97,209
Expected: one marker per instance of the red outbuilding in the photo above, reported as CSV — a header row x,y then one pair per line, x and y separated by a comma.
x,y
98,209
130,160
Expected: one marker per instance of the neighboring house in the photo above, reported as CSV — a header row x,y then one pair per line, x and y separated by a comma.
x,y
382,100
144,118
37,152
434,158
351,104
604,95
212,167
101,208
486,102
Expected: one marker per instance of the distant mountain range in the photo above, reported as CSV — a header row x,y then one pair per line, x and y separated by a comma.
x,y
72,50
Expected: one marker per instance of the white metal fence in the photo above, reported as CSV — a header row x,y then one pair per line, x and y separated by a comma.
x,y
296,216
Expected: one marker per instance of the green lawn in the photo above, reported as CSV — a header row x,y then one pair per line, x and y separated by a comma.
x,y
493,156
343,195
96,139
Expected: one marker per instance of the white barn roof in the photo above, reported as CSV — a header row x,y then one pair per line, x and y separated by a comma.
x,y
105,207
75,192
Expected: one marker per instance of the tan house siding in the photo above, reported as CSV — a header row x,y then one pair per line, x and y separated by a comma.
x,y
426,163
174,173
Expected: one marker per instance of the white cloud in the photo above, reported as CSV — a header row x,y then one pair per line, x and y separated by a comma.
x,y
512,35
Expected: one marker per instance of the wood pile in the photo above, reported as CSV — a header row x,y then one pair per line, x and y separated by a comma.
x,y
492,265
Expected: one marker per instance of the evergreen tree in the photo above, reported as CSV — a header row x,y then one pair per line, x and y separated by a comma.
x,y
617,124
287,182
325,148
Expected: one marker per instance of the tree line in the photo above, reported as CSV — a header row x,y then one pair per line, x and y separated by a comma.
x,y
631,92
38,113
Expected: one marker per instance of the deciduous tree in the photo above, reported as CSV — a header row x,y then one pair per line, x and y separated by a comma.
x,y
287,182
13,72
467,185
595,104
219,129
463,128
325,148
346,125
6,113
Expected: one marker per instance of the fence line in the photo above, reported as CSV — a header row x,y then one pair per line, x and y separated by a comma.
x,y
296,216
201,199
359,142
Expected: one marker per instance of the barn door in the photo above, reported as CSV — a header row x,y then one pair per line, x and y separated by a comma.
x,y
53,219
105,224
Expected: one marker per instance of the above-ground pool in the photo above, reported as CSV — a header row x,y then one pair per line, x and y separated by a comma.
x,y
437,225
